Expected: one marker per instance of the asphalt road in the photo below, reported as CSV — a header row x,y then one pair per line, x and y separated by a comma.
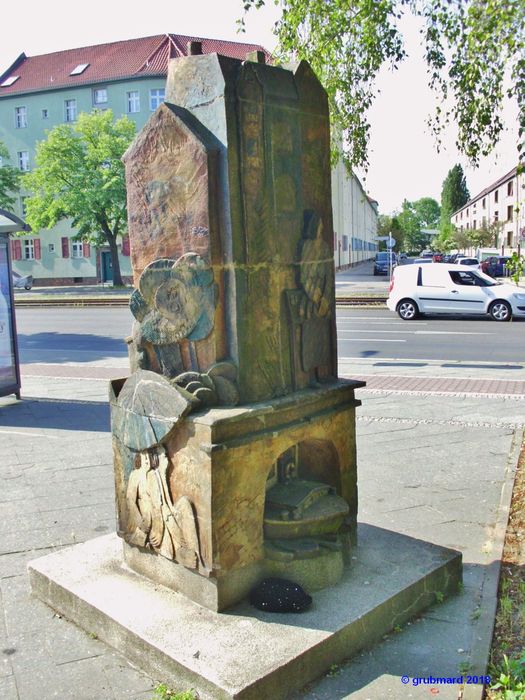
x,y
378,333
96,334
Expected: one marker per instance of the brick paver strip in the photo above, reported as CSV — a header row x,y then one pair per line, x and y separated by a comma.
x,y
449,385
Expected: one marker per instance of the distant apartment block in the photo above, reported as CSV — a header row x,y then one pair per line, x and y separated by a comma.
x,y
503,202
128,77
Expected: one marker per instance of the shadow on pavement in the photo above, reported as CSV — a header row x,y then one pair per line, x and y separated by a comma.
x,y
91,346
58,414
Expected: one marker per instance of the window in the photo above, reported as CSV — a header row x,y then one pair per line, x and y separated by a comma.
x,y
509,238
23,160
496,196
510,188
45,114
100,96
29,249
10,81
20,117
77,249
23,208
474,224
509,212
463,278
496,215
133,102
156,98
70,110
484,203
79,69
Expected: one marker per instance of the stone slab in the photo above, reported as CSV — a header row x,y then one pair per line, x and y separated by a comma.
x,y
245,653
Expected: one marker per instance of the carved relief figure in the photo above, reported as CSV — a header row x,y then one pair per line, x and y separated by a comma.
x,y
153,519
175,301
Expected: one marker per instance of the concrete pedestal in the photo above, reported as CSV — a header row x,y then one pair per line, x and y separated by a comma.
x,y
245,653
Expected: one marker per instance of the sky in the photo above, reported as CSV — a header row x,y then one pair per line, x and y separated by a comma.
x,y
403,160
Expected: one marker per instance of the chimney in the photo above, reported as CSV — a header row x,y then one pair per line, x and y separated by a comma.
x,y
194,48
256,56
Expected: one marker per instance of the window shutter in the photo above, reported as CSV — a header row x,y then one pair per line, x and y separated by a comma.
x,y
65,247
36,248
85,250
125,246
16,249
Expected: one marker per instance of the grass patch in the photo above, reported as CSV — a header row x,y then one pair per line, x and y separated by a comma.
x,y
507,657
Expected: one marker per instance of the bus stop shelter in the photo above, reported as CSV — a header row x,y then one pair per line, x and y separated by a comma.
x,y
9,363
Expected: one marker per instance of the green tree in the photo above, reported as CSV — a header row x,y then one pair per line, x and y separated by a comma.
x,y
485,235
389,225
428,211
410,224
470,46
79,175
460,238
454,194
9,179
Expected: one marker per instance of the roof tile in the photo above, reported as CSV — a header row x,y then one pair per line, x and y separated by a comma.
x,y
120,59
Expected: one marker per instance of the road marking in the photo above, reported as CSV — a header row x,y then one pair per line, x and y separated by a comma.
x,y
367,330
382,323
377,340
451,333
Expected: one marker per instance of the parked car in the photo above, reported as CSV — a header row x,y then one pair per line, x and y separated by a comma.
x,y
455,257
383,261
437,257
426,254
452,289
471,262
423,260
495,266
22,282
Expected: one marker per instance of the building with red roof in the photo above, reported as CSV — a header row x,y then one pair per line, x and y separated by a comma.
x,y
128,77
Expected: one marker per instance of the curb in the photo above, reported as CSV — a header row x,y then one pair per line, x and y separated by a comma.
x,y
483,627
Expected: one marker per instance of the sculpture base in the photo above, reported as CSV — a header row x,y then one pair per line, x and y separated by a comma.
x,y
245,653
222,460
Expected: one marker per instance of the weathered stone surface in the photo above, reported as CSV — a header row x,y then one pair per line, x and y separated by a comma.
x,y
146,409
231,239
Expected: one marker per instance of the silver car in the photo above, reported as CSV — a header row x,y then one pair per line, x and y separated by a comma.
x,y
20,282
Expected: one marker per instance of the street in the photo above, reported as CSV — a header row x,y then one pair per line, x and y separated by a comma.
x,y
96,334
379,333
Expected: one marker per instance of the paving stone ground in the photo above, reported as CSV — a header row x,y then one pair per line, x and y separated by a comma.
x,y
435,464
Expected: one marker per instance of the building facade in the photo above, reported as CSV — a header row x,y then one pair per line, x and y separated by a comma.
x,y
502,203
128,77
355,219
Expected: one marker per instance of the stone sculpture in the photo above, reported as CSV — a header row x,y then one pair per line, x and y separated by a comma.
x,y
234,441
153,519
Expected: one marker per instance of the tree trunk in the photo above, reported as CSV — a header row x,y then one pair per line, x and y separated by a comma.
x,y
117,277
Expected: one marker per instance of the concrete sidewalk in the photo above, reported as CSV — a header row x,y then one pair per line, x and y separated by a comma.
x,y
435,465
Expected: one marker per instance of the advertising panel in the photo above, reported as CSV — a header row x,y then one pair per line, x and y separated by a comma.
x,y
8,365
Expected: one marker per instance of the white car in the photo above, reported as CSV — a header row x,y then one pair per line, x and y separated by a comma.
x,y
473,263
452,289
